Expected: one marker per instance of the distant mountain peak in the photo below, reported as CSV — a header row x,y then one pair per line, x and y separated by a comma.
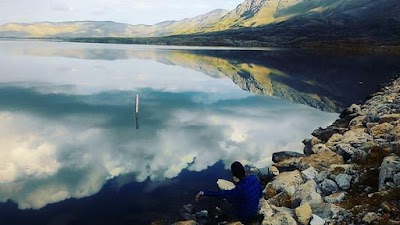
x,y
249,5
217,11
165,23
253,13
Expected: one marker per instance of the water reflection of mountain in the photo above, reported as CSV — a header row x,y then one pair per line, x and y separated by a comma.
x,y
328,82
325,81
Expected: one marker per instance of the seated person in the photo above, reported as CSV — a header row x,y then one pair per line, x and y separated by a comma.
x,y
244,197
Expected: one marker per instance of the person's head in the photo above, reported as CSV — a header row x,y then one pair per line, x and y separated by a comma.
x,y
238,170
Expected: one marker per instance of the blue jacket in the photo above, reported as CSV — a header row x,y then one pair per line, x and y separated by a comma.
x,y
244,197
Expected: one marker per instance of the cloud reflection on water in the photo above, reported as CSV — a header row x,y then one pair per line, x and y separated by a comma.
x,y
67,119
60,146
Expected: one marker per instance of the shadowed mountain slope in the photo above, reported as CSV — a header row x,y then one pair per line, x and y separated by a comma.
x,y
288,23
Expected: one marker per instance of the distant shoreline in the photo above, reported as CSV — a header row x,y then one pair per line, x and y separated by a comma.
x,y
178,41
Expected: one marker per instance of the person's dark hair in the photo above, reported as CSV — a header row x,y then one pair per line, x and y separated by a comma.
x,y
238,170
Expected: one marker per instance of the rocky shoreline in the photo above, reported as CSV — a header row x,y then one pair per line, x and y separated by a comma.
x,y
349,172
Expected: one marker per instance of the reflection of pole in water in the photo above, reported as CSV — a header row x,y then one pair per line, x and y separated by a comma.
x,y
137,111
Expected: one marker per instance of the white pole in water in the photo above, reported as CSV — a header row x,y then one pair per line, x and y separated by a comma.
x,y
137,111
137,104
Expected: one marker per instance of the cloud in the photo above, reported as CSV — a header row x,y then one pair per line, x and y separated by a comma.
x,y
25,153
61,6
37,193
104,68
127,11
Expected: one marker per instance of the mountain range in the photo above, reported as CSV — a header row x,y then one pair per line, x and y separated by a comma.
x,y
253,22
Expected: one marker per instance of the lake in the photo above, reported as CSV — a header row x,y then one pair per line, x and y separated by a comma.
x,y
70,150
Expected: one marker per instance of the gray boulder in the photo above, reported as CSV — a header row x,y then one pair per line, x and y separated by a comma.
x,y
322,176
389,173
343,181
328,187
306,193
371,118
351,154
316,220
329,212
396,178
310,173
307,146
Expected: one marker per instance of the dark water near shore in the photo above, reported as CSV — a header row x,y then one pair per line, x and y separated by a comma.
x,y
70,151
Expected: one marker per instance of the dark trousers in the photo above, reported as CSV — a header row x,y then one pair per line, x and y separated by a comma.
x,y
220,211
223,211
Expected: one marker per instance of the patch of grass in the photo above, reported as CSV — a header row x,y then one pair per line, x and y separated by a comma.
x,y
338,170
364,196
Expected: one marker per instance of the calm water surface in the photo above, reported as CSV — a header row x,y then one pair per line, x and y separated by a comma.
x,y
70,151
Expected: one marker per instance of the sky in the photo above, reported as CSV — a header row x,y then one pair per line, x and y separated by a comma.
x,y
126,11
